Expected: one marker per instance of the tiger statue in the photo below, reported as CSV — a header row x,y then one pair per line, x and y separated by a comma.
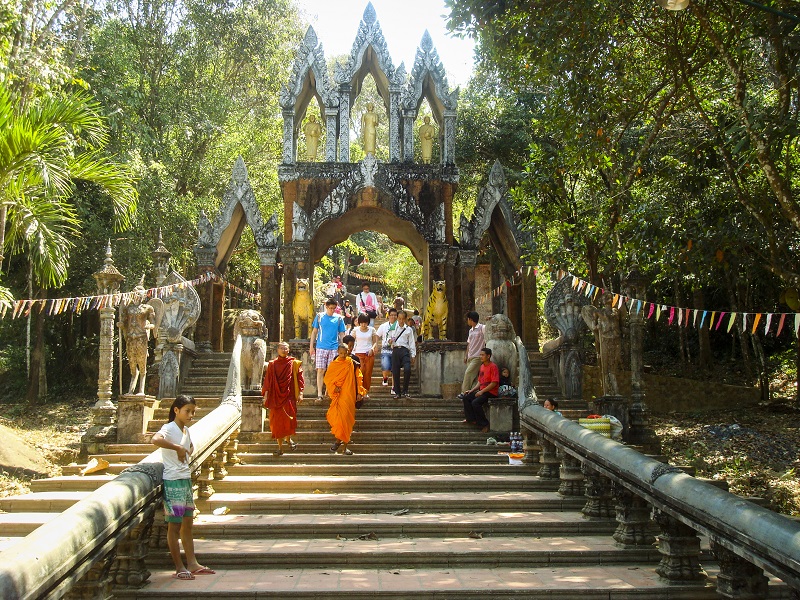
x,y
303,308
436,312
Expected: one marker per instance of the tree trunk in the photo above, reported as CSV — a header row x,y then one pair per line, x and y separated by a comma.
x,y
763,370
37,378
683,351
704,358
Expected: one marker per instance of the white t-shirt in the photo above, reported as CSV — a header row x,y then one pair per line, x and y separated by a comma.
x,y
363,340
384,333
173,468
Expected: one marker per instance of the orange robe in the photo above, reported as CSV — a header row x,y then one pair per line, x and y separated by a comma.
x,y
278,387
347,378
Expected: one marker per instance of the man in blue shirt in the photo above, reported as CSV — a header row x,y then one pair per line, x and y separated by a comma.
x,y
326,332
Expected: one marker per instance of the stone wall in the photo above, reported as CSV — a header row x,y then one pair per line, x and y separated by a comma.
x,y
672,394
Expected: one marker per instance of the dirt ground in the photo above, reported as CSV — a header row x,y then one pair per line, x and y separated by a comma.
x,y
756,451
37,442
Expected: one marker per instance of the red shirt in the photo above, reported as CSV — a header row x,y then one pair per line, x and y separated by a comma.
x,y
487,375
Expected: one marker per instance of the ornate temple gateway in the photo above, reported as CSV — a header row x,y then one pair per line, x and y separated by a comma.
x,y
326,201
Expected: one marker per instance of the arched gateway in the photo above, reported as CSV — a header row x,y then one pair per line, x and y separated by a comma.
x,y
325,202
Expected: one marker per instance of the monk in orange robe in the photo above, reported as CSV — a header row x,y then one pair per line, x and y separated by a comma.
x,y
282,390
344,383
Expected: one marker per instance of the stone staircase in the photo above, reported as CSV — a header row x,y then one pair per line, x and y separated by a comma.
x,y
423,509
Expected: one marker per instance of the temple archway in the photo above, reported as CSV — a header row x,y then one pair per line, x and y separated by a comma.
x,y
326,201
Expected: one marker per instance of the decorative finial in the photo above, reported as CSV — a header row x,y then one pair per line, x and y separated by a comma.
x,y
239,171
108,260
311,38
369,14
160,241
427,42
497,177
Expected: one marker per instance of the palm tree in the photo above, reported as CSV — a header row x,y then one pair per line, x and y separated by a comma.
x,y
46,146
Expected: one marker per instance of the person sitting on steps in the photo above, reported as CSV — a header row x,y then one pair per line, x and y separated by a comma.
x,y
484,390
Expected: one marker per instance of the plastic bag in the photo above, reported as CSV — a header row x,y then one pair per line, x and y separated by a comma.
x,y
616,427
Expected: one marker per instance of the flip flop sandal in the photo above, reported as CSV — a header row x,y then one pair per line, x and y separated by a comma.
x,y
293,446
184,575
347,452
204,571
277,453
335,446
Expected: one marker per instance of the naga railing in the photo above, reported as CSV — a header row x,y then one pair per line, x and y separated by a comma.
x,y
645,495
103,539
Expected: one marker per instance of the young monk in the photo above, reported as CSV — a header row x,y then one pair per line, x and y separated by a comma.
x,y
282,390
343,380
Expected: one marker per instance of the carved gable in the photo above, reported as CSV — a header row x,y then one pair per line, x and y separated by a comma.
x,y
309,78
429,80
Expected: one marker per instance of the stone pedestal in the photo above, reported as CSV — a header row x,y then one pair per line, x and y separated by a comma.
x,y
501,414
439,362
102,431
133,414
617,406
738,579
299,349
679,546
253,412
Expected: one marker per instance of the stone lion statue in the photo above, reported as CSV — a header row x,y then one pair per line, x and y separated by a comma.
x,y
499,336
303,308
250,325
436,312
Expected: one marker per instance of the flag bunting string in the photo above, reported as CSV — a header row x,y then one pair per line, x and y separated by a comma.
x,y
57,306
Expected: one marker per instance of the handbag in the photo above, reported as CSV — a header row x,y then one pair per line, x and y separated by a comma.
x,y
370,312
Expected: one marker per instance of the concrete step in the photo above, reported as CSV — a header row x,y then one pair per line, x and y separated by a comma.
x,y
273,526
376,484
319,443
585,582
388,438
272,465
358,503
416,552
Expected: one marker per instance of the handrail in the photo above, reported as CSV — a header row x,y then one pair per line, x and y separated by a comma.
x,y
758,535
51,559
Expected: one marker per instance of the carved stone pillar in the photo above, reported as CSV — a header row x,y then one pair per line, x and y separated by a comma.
x,y
679,546
532,448
530,310
408,135
599,503
449,145
289,138
204,488
296,265
104,411
737,577
394,122
468,259
220,460
344,122
233,449
330,134
633,516
548,459
639,431
270,293
570,475
206,258
130,568
96,584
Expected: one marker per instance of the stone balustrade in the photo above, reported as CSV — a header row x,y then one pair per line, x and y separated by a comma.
x,y
103,540
649,496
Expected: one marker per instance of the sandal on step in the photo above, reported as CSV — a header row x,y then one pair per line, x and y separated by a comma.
x,y
347,452
185,575
335,446
293,446
204,571
278,453
318,400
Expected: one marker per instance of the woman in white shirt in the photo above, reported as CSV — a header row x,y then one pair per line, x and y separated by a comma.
x,y
366,341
